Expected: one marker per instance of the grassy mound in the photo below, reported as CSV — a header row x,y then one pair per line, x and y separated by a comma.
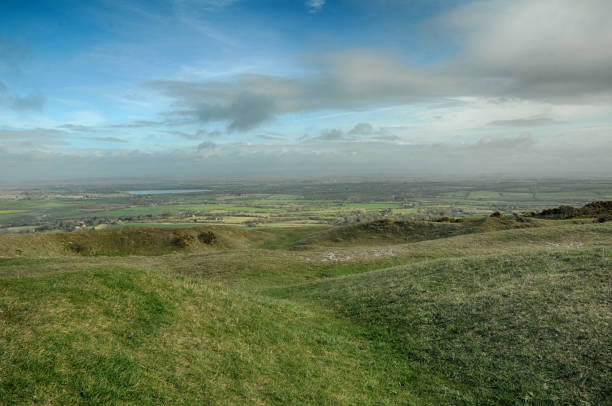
x,y
394,232
123,336
533,327
144,241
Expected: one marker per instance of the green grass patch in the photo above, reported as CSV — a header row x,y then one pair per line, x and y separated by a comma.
x,y
13,211
531,328
484,311
124,336
393,232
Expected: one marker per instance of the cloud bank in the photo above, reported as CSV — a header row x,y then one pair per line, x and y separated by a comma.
x,y
554,51
489,156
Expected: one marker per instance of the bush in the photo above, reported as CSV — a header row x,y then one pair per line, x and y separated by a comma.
x,y
183,239
497,214
207,237
444,219
76,247
593,209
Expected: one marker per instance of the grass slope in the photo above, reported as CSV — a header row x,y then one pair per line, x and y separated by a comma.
x,y
145,241
394,231
533,327
124,336
257,268
501,317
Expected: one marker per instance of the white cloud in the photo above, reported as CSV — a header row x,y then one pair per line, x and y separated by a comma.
x,y
537,49
521,69
544,53
315,5
203,5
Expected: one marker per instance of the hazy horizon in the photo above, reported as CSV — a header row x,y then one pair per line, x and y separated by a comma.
x,y
305,88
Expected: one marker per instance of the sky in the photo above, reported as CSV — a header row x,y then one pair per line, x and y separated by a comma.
x,y
304,88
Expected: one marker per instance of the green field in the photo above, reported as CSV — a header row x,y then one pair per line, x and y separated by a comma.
x,y
506,311
295,204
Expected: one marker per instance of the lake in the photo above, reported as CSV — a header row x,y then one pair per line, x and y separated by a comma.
x,y
165,191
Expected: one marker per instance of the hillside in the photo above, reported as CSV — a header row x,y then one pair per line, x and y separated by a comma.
x,y
389,231
534,326
127,336
119,241
488,311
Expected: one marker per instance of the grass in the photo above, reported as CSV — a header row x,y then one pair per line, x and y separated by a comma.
x,y
532,327
146,240
493,314
135,337
393,231
285,238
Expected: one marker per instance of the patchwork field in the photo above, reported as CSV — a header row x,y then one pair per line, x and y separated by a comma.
x,y
294,204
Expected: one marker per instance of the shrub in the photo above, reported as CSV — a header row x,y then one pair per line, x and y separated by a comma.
x,y
444,219
183,239
76,247
593,209
207,237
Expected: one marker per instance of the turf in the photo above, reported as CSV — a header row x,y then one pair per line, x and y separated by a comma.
x,y
119,241
125,336
494,314
533,326
394,231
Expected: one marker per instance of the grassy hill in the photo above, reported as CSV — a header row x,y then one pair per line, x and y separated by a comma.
x,y
144,241
533,326
389,231
488,311
122,335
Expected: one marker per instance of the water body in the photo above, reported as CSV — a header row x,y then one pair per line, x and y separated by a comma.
x,y
165,191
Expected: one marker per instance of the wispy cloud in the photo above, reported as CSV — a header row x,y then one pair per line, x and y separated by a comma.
x,y
34,101
537,62
534,121
206,145
314,6
362,129
195,135
330,135
31,138
522,141
142,124
77,128
34,133
108,139
522,155
205,5
272,137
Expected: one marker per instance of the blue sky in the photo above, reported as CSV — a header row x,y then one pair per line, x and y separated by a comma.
x,y
336,86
